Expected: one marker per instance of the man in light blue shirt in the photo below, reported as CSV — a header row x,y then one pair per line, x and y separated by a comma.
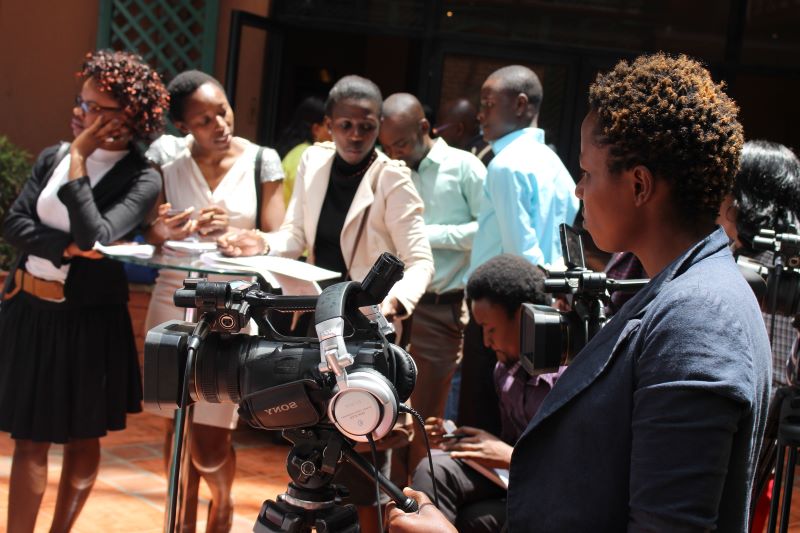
x,y
450,182
528,191
527,194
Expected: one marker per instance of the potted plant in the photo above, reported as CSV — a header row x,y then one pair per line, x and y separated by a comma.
x,y
15,167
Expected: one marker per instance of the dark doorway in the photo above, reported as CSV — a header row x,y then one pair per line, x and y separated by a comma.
x,y
313,60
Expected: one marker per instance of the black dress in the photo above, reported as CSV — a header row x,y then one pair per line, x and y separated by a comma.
x,y
70,370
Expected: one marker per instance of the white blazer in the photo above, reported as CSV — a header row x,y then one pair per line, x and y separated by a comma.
x,y
394,223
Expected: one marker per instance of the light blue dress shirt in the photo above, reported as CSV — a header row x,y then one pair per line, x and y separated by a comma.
x,y
450,182
528,193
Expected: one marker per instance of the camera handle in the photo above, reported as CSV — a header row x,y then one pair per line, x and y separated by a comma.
x,y
591,310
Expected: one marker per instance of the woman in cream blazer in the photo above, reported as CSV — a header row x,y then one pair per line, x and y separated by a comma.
x,y
385,213
386,203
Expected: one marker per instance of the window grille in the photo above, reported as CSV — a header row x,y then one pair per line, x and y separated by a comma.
x,y
171,35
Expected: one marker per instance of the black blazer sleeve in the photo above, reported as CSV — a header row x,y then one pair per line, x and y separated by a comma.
x,y
22,228
89,224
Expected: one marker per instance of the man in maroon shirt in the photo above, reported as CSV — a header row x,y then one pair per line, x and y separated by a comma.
x,y
468,498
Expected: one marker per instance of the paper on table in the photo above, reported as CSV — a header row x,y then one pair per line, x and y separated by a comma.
x,y
133,249
191,247
297,287
274,264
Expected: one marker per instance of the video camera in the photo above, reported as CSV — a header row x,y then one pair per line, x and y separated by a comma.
x,y
348,384
351,376
782,292
550,338
779,288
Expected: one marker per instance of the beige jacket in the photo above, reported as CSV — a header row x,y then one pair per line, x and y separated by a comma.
x,y
394,222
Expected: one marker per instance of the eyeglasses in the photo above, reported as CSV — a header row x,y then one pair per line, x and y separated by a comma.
x,y
87,106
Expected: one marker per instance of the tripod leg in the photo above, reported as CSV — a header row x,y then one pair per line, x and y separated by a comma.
x,y
787,492
776,489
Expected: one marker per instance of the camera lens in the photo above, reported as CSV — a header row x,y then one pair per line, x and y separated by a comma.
x,y
548,338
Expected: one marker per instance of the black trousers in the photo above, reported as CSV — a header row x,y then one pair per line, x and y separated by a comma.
x,y
469,500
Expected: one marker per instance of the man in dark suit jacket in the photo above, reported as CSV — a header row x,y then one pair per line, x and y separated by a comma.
x,y
656,425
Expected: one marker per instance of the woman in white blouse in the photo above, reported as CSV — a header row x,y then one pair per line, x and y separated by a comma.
x,y
213,183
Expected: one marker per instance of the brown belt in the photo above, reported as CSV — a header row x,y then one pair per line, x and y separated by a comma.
x,y
41,288
447,298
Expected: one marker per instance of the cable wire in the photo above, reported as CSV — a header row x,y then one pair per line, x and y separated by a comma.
x,y
374,451
406,409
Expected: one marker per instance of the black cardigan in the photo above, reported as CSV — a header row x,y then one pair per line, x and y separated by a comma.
x,y
109,212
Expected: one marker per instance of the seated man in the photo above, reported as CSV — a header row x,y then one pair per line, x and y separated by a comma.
x,y
497,289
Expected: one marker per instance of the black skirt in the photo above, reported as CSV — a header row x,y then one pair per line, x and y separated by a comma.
x,y
66,372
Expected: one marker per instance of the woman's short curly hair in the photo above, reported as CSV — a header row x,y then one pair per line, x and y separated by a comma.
x,y
135,85
667,114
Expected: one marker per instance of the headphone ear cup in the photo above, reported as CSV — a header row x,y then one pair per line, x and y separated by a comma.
x,y
405,372
368,405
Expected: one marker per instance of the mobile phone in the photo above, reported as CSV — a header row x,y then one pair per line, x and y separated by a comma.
x,y
449,427
454,436
176,212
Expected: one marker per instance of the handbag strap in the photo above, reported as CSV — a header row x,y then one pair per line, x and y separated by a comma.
x,y
257,174
355,244
361,225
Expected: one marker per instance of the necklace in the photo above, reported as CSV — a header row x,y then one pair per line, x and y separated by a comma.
x,y
364,168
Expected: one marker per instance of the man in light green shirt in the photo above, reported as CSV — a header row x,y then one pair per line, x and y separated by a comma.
x,y
450,182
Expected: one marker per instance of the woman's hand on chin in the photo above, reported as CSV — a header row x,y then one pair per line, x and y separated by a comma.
x,y
102,133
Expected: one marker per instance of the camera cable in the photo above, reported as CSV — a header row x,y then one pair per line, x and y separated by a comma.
x,y
374,452
418,418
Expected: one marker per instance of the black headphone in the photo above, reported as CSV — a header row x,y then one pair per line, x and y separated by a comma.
x,y
366,402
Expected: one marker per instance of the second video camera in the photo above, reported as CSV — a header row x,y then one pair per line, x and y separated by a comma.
x,y
551,338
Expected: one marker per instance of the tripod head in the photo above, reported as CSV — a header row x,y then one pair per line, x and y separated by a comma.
x,y
310,500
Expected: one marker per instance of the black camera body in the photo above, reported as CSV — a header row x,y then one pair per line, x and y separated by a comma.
x,y
783,277
550,338
351,376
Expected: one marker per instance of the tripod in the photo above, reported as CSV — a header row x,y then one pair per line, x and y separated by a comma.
x,y
310,500
787,407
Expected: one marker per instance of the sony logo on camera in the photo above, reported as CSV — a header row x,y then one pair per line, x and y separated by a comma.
x,y
282,408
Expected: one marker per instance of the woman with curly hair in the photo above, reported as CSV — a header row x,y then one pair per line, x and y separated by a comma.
x,y
69,370
657,423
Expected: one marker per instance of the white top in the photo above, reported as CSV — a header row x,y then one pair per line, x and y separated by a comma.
x,y
185,186
53,213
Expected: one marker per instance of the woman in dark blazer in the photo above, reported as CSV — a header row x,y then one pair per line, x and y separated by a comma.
x,y
69,370
657,423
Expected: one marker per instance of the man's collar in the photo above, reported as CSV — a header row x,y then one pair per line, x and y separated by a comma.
x,y
499,144
435,155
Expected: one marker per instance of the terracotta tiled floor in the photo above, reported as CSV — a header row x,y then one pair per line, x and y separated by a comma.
x,y
129,495
130,490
